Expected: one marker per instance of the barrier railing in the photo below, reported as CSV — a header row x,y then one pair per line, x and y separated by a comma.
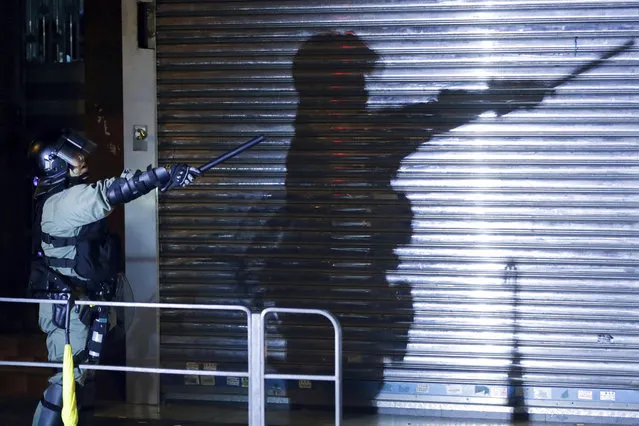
x,y
336,377
139,305
255,372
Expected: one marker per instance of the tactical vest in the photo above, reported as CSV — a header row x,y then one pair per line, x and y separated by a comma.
x,y
98,252
99,255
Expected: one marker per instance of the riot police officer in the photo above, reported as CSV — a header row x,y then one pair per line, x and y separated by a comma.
x,y
76,254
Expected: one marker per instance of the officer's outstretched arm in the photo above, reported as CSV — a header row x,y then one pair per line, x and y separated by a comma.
x,y
125,189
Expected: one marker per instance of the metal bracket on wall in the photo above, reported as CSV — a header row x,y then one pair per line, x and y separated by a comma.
x,y
146,25
140,135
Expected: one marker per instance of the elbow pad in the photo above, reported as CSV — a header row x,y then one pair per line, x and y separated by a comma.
x,y
123,190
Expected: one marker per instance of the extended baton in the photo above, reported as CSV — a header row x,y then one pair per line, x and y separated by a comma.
x,y
222,158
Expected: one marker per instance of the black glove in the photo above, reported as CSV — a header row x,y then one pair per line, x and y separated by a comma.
x,y
181,175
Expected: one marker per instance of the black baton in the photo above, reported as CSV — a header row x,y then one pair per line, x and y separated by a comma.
x,y
222,158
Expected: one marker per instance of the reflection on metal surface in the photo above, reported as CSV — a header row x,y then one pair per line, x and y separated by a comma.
x,y
401,222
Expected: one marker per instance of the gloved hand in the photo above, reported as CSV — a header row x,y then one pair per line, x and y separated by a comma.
x,y
181,175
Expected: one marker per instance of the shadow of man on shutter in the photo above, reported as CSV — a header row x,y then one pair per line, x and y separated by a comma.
x,y
343,220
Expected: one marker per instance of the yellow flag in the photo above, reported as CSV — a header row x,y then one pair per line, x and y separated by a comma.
x,y
69,404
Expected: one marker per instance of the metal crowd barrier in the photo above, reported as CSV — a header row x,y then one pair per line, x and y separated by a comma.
x,y
336,377
256,355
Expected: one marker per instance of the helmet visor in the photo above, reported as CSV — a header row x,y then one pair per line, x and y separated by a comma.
x,y
74,149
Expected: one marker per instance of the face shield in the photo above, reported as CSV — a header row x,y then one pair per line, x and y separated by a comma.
x,y
74,149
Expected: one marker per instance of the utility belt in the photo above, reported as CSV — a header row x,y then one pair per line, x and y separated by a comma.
x,y
44,281
62,290
56,286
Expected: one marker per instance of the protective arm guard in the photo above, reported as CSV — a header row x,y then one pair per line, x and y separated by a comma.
x,y
123,190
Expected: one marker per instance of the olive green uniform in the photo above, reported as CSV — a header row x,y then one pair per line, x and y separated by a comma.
x,y
63,215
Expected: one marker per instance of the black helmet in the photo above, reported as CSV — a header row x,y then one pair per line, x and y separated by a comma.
x,y
52,152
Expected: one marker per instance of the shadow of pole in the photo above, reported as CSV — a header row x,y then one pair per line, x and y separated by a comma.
x,y
516,397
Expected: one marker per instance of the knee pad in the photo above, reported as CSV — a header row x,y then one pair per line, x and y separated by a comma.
x,y
49,413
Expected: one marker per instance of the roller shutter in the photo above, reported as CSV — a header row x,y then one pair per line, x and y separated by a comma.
x,y
478,261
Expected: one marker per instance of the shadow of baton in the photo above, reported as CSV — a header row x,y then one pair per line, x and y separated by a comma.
x,y
590,65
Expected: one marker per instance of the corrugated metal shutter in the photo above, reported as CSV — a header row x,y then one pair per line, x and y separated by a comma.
x,y
502,252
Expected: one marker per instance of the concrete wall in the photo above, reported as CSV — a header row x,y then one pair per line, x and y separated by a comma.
x,y
140,215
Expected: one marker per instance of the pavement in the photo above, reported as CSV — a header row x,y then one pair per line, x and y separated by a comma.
x,y
20,412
